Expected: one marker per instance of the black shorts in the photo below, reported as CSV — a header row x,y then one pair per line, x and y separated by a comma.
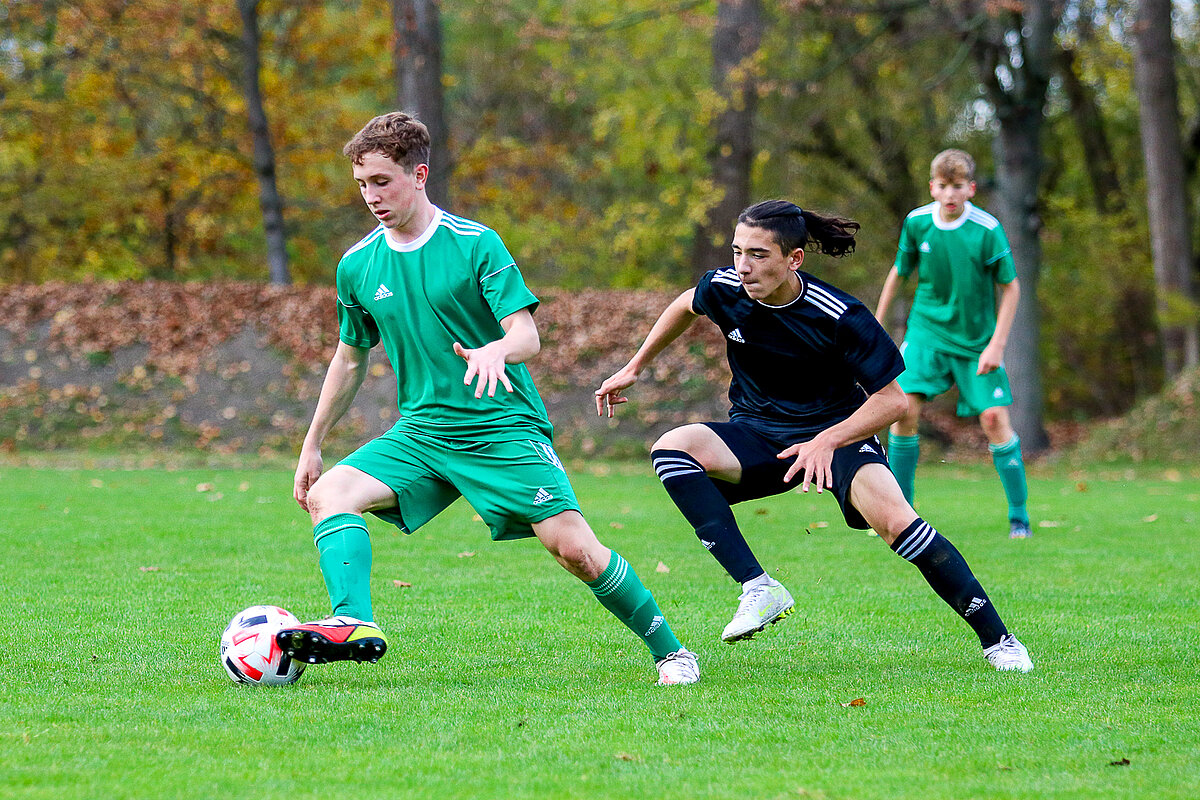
x,y
762,472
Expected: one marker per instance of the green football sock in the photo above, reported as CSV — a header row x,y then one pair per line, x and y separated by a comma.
x,y
1010,465
902,453
345,557
621,591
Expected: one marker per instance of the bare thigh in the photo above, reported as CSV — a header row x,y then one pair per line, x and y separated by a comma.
x,y
346,490
877,496
703,444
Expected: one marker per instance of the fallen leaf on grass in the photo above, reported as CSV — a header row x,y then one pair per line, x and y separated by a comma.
x,y
662,567
858,701
627,757
97,483
466,554
821,524
150,569
1150,518
1124,762
1050,523
616,525
204,487
762,512
1081,487
401,584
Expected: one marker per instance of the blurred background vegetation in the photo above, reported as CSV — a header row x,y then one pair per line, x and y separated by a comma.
x,y
590,136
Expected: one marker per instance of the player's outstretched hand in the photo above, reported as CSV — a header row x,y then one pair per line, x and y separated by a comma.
x,y
308,470
814,458
609,394
485,365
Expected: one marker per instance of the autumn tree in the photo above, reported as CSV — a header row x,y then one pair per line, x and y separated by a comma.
x,y
1013,49
264,154
417,59
736,39
1162,150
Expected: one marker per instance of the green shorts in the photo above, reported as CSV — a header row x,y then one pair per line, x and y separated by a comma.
x,y
930,372
511,485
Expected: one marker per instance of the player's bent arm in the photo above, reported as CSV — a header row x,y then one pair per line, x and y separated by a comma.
x,y
1007,297
521,340
670,325
485,365
877,412
814,458
347,370
891,286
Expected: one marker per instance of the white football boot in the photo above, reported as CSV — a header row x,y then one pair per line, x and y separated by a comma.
x,y
758,607
680,667
1009,655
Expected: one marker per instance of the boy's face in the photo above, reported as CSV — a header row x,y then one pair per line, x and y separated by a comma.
x,y
951,195
765,270
389,191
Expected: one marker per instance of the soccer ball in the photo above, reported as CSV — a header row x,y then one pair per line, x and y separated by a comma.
x,y
249,652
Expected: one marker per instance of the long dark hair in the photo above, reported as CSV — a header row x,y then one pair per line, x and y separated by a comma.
x,y
792,227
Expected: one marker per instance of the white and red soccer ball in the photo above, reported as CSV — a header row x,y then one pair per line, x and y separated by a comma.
x,y
249,652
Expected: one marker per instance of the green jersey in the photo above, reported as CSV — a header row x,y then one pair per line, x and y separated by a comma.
x,y
454,283
958,265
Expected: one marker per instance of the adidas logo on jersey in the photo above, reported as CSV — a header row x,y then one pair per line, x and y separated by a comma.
x,y
925,248
541,497
735,335
976,604
382,292
655,625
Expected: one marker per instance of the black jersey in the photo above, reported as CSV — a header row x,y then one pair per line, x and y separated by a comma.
x,y
800,368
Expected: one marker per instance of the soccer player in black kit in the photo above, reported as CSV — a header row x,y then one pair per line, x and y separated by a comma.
x,y
814,380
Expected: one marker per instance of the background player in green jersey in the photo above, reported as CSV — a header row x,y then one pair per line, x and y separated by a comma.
x,y
439,290
958,327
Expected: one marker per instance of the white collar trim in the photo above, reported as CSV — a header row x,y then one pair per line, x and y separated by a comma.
x,y
419,242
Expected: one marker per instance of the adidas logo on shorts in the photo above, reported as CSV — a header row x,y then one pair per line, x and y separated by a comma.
x,y
866,448
541,497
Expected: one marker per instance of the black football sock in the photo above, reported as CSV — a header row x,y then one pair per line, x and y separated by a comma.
x,y
708,512
947,572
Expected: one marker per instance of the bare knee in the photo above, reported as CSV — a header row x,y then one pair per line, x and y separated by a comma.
x,y
570,540
908,424
996,425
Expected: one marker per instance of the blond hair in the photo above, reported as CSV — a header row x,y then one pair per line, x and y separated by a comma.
x,y
952,165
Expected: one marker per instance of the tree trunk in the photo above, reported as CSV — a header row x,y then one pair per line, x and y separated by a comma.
x,y
1021,46
417,57
264,155
736,39
1162,149
1089,124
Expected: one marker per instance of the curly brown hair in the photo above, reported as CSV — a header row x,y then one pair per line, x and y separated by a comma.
x,y
399,136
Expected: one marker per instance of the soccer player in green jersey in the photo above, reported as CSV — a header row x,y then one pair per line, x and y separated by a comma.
x,y
958,327
439,290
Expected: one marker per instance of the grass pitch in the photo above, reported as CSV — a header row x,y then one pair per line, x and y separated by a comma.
x,y
505,679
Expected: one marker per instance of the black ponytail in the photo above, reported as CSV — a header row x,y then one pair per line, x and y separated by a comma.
x,y
793,228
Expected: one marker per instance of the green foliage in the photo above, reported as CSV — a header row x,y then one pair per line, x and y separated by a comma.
x,y
505,677
578,130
